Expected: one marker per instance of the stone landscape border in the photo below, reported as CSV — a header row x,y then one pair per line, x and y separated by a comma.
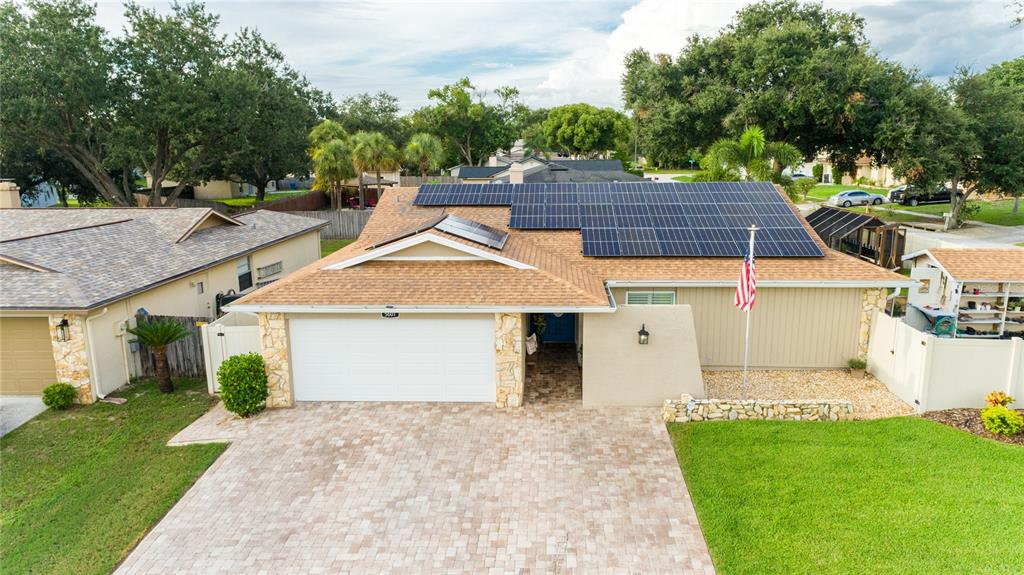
x,y
686,408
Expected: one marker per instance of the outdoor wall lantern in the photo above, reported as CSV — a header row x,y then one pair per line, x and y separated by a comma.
x,y
63,330
644,335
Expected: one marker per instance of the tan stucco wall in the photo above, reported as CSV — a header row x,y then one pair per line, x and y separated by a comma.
x,y
181,298
216,190
790,327
617,370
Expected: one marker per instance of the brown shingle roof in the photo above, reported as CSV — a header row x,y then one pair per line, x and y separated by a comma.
x,y
564,277
982,264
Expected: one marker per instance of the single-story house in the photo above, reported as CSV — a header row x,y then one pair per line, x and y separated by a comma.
x,y
74,280
435,300
861,235
217,189
968,292
538,170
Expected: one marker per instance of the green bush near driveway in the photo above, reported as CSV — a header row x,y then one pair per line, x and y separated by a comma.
x,y
81,487
243,384
59,395
899,495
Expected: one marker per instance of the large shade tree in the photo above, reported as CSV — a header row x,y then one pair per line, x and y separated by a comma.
x,y
584,130
379,112
373,152
803,73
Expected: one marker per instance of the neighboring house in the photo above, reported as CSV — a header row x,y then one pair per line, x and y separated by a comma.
x,y
436,298
217,189
861,235
968,292
866,169
536,170
74,279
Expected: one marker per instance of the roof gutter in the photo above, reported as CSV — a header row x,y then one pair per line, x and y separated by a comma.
x,y
311,309
766,283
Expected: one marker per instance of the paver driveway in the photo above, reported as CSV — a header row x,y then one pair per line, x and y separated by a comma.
x,y
434,488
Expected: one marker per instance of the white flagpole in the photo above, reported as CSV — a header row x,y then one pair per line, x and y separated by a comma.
x,y
746,340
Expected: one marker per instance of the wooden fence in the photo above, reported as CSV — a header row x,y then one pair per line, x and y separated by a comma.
x,y
184,357
314,200
413,181
345,224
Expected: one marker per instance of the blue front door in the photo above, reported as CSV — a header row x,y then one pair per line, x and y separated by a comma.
x,y
559,329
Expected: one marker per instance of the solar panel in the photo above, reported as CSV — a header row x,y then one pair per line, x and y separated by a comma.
x,y
473,231
707,219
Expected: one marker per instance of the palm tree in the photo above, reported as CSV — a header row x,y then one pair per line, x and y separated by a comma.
x,y
373,152
750,157
332,166
157,335
426,151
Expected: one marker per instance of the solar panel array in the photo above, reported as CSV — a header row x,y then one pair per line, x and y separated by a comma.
x,y
645,218
473,231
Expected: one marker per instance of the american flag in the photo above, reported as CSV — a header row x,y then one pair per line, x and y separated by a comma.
x,y
746,289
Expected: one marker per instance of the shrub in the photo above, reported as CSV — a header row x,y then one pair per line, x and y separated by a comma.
x,y
837,175
998,398
802,186
59,396
857,363
1002,420
243,384
818,171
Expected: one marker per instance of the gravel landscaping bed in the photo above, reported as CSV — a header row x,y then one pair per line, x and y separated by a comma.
x,y
871,399
969,420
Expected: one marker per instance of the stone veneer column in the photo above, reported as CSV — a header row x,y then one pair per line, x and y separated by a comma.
x,y
274,345
71,357
508,357
873,299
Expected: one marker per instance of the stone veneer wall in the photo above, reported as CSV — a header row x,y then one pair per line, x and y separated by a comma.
x,y
873,299
686,408
508,357
274,346
71,357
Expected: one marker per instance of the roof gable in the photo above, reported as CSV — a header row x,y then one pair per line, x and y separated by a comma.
x,y
456,249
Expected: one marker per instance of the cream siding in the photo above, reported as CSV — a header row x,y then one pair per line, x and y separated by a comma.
x,y
790,327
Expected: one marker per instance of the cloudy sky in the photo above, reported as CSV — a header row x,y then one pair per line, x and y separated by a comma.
x,y
557,52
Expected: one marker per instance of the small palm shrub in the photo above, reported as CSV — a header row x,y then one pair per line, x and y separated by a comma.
x,y
1002,420
59,396
157,334
998,398
243,384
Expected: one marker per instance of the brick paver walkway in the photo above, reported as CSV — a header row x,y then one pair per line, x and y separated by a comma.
x,y
435,488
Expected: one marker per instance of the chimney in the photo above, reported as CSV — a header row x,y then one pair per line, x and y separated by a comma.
x,y
515,173
492,162
10,197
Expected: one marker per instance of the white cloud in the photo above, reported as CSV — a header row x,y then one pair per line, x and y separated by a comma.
x,y
562,52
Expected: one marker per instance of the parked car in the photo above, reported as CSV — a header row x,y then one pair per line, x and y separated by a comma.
x,y
908,195
855,198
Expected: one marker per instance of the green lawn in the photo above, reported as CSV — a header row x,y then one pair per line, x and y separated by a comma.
x,y
328,247
81,487
74,203
998,212
822,192
900,495
250,201
683,178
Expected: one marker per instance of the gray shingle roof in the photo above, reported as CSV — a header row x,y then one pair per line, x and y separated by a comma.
x,y
101,255
480,171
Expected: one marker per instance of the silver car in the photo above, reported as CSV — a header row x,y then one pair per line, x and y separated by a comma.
x,y
855,198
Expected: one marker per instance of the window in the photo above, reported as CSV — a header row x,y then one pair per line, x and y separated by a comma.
x,y
244,274
650,298
200,289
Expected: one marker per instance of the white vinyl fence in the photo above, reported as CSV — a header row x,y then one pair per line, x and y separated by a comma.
x,y
233,334
934,373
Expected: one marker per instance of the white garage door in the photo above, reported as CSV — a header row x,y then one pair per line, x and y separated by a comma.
x,y
402,359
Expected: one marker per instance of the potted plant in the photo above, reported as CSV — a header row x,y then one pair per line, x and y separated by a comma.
x,y
857,366
540,323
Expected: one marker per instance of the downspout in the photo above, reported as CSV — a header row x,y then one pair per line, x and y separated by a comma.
x,y
93,380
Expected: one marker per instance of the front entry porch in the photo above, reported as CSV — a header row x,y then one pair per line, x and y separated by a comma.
x,y
553,376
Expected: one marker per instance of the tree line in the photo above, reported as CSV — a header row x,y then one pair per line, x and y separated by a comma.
x,y
175,101
807,76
